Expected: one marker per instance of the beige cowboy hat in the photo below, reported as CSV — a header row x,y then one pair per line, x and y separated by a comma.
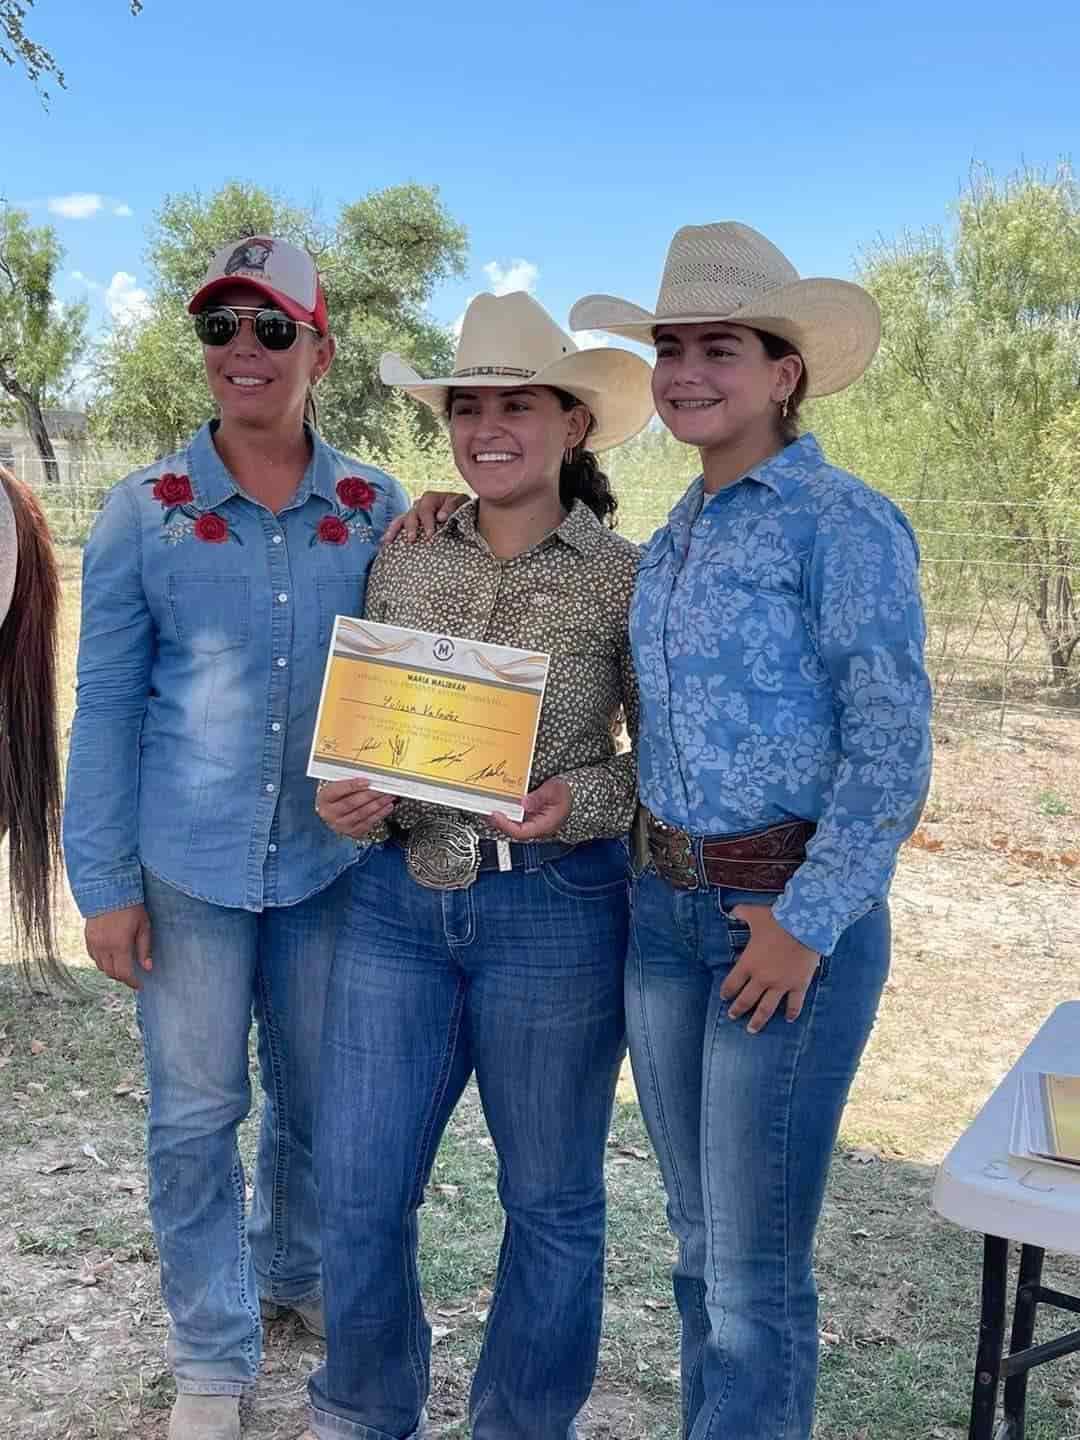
x,y
728,271
509,340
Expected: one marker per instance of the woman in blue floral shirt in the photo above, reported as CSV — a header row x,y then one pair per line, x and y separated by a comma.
x,y
784,756
208,883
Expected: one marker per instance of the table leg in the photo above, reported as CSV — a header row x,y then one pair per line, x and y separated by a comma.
x,y
1023,1332
991,1338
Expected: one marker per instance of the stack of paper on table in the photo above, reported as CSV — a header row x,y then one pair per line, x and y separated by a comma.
x,y
1046,1118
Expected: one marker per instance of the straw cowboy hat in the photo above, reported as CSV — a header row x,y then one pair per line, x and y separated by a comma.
x,y
729,272
510,340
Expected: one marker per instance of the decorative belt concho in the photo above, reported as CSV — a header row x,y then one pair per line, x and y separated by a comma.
x,y
443,855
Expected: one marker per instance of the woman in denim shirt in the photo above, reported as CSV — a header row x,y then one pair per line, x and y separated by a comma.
x,y
208,884
784,757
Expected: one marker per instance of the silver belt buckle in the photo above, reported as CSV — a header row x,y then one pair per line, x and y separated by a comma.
x,y
443,855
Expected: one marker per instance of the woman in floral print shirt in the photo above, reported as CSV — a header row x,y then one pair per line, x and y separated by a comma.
x,y
208,883
784,757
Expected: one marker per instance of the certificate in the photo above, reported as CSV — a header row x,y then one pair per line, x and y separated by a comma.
x,y
435,717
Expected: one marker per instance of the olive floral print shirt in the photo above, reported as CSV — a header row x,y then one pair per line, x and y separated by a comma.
x,y
778,634
568,596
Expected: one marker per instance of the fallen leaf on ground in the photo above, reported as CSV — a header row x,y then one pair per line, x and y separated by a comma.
x,y
37,1047
450,1191
631,1150
657,1304
91,1154
56,1167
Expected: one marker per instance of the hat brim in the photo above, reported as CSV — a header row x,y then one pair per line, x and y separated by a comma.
x,y
835,325
615,385
229,282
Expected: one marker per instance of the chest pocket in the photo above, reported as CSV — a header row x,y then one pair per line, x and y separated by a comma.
x,y
212,613
338,595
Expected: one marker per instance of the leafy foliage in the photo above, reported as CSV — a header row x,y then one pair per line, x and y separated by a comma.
x,y
974,400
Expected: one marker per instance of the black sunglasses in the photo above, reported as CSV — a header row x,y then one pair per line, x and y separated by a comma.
x,y
274,330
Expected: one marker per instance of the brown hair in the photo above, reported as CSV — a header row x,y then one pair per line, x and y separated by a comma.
x,y
776,347
30,806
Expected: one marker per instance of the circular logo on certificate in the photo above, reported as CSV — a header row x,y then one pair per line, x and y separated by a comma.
x,y
443,649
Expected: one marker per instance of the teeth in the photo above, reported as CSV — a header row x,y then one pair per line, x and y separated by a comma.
x,y
247,382
488,457
694,404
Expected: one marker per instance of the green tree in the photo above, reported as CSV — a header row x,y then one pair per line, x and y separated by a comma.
x,y
40,339
973,399
17,48
380,261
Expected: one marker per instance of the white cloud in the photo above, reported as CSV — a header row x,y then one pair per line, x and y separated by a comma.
x,y
518,275
82,279
591,339
123,211
503,279
124,299
78,206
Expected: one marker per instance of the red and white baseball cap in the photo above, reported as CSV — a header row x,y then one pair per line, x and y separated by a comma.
x,y
284,273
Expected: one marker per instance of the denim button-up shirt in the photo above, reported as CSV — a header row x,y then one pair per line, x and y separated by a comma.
x,y
778,635
205,624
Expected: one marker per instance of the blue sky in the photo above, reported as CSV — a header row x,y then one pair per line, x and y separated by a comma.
x,y
572,140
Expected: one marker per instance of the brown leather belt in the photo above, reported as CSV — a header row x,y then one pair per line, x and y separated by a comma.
x,y
760,860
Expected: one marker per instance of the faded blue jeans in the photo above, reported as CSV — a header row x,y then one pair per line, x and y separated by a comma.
x,y
212,967
520,978
744,1127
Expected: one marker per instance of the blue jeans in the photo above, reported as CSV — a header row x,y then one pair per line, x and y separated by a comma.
x,y
211,967
744,1127
519,977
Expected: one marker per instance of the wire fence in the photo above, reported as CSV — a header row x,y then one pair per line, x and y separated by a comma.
x,y
989,650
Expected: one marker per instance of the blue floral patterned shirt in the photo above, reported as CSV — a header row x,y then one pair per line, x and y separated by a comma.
x,y
205,624
778,635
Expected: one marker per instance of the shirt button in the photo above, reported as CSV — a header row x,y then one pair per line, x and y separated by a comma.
x,y
282,598
276,726
272,849
282,662
277,539
269,789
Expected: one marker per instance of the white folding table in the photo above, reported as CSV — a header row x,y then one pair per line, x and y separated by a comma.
x,y
981,1187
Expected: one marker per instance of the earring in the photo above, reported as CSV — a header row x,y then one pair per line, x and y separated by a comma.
x,y
784,406
568,455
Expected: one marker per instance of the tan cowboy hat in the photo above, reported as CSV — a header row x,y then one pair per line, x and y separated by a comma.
x,y
509,340
729,272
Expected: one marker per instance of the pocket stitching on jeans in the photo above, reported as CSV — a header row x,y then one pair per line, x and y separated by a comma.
x,y
567,888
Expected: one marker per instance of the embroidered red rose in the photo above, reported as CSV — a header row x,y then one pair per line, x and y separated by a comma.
x,y
211,528
173,489
333,530
355,493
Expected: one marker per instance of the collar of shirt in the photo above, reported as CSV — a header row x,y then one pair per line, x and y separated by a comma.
x,y
578,530
781,473
213,485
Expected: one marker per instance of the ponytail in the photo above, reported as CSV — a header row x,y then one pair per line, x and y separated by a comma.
x,y
581,477
30,808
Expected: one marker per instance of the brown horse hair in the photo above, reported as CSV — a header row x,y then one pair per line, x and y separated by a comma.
x,y
30,789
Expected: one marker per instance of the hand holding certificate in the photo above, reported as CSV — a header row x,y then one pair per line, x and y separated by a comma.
x,y
435,717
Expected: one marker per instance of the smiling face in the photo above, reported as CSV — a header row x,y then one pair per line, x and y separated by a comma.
x,y
508,444
716,387
258,387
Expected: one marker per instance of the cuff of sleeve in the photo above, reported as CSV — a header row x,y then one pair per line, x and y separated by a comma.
x,y
118,892
573,827
817,933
